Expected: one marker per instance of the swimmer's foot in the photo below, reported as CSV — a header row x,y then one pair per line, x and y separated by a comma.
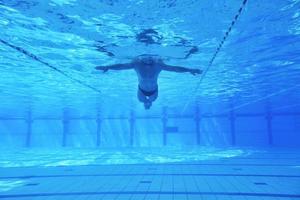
x,y
104,69
196,71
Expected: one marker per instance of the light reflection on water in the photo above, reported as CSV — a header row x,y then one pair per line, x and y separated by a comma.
x,y
75,36
6,185
77,157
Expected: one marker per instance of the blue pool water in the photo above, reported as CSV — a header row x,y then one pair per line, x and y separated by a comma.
x,y
69,131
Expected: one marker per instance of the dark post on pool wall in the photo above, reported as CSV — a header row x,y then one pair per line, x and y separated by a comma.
x,y
269,118
232,119
29,122
65,128
98,133
132,123
164,123
197,121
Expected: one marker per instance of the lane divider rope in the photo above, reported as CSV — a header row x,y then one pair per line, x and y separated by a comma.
x,y
37,59
211,61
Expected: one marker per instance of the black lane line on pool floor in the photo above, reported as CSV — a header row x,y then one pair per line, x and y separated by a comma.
x,y
149,193
149,174
169,164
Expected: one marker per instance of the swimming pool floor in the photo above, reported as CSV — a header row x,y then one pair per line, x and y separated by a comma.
x,y
262,175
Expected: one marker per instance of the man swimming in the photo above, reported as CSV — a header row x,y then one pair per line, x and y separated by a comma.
x,y
148,68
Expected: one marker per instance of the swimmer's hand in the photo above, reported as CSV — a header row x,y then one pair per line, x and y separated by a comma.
x,y
196,71
104,69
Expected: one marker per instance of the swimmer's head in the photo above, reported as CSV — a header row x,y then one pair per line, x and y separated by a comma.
x,y
149,59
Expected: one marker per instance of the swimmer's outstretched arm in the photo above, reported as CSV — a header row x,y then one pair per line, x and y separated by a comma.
x,y
115,67
181,69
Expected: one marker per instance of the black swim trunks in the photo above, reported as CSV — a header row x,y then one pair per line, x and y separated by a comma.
x,y
148,93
